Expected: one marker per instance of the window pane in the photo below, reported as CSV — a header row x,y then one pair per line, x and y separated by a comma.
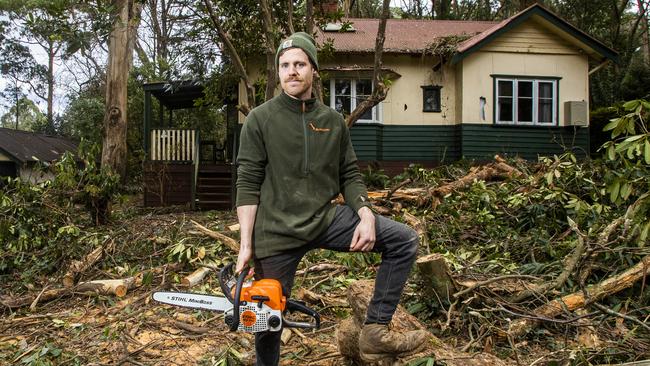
x,y
431,100
545,89
525,89
342,87
545,111
363,90
342,97
342,104
525,110
364,87
505,110
505,88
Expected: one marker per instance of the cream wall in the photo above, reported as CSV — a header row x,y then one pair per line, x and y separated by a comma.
x,y
4,157
512,54
478,68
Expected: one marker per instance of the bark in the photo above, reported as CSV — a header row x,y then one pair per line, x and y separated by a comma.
x,y
120,52
78,267
229,49
309,23
228,241
359,294
195,277
379,89
436,277
290,27
579,300
270,49
645,38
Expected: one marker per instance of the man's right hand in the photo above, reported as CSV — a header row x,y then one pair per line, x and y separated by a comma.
x,y
245,255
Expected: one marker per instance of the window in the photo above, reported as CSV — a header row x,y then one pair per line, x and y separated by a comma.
x,y
431,98
526,101
346,94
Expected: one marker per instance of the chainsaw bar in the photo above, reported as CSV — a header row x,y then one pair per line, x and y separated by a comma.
x,y
195,301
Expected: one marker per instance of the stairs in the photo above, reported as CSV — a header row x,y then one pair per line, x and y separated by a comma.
x,y
214,187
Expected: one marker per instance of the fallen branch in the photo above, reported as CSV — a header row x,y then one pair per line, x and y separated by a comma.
x,y
570,265
77,267
228,241
321,267
577,299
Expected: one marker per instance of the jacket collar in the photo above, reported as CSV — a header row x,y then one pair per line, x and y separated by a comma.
x,y
297,105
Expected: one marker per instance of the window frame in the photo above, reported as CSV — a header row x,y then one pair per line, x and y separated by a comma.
x,y
536,80
426,88
376,111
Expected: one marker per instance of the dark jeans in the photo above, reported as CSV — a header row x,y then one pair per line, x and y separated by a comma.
x,y
397,244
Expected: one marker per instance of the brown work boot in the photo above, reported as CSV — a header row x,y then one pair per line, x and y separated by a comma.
x,y
378,342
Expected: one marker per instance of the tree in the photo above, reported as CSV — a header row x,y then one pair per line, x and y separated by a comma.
x,y
24,115
120,57
379,87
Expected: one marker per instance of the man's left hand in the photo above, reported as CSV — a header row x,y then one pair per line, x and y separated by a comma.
x,y
363,239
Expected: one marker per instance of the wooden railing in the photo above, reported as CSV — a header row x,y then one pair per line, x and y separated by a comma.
x,y
174,145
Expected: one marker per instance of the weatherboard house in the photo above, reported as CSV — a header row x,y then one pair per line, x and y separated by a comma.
x,y
459,89
464,89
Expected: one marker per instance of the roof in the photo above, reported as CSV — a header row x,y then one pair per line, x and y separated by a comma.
x,y
535,10
24,146
177,95
415,36
402,35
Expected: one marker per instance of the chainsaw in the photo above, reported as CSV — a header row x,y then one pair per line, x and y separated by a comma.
x,y
255,307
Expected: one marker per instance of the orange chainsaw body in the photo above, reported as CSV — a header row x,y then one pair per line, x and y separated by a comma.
x,y
265,288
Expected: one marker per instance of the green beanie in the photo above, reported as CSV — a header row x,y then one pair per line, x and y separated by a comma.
x,y
300,40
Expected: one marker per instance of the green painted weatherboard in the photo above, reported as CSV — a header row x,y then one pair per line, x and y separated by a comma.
x,y
484,141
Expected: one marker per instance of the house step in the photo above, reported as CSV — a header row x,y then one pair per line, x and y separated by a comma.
x,y
213,195
214,205
214,180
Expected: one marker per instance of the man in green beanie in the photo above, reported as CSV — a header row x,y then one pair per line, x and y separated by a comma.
x,y
294,159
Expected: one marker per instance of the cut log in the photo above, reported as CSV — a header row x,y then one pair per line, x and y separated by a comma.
x,y
118,287
577,299
77,267
436,277
195,277
105,287
359,294
228,241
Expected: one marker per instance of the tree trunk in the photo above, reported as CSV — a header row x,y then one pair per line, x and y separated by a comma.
x,y
270,49
117,75
645,38
379,90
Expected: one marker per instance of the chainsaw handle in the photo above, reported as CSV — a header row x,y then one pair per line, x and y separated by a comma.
x,y
292,306
226,273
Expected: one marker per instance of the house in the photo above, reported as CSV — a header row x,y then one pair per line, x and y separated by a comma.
x,y
465,89
23,152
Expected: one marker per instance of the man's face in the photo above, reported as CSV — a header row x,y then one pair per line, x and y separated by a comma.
x,y
296,73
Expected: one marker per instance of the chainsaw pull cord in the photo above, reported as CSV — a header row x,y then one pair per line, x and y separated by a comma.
x,y
238,287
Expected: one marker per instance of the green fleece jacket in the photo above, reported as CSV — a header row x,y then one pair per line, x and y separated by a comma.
x,y
294,158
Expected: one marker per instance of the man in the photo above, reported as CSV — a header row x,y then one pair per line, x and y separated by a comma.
x,y
295,156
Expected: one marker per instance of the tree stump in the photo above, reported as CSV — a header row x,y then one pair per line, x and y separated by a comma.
x,y
436,277
359,295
